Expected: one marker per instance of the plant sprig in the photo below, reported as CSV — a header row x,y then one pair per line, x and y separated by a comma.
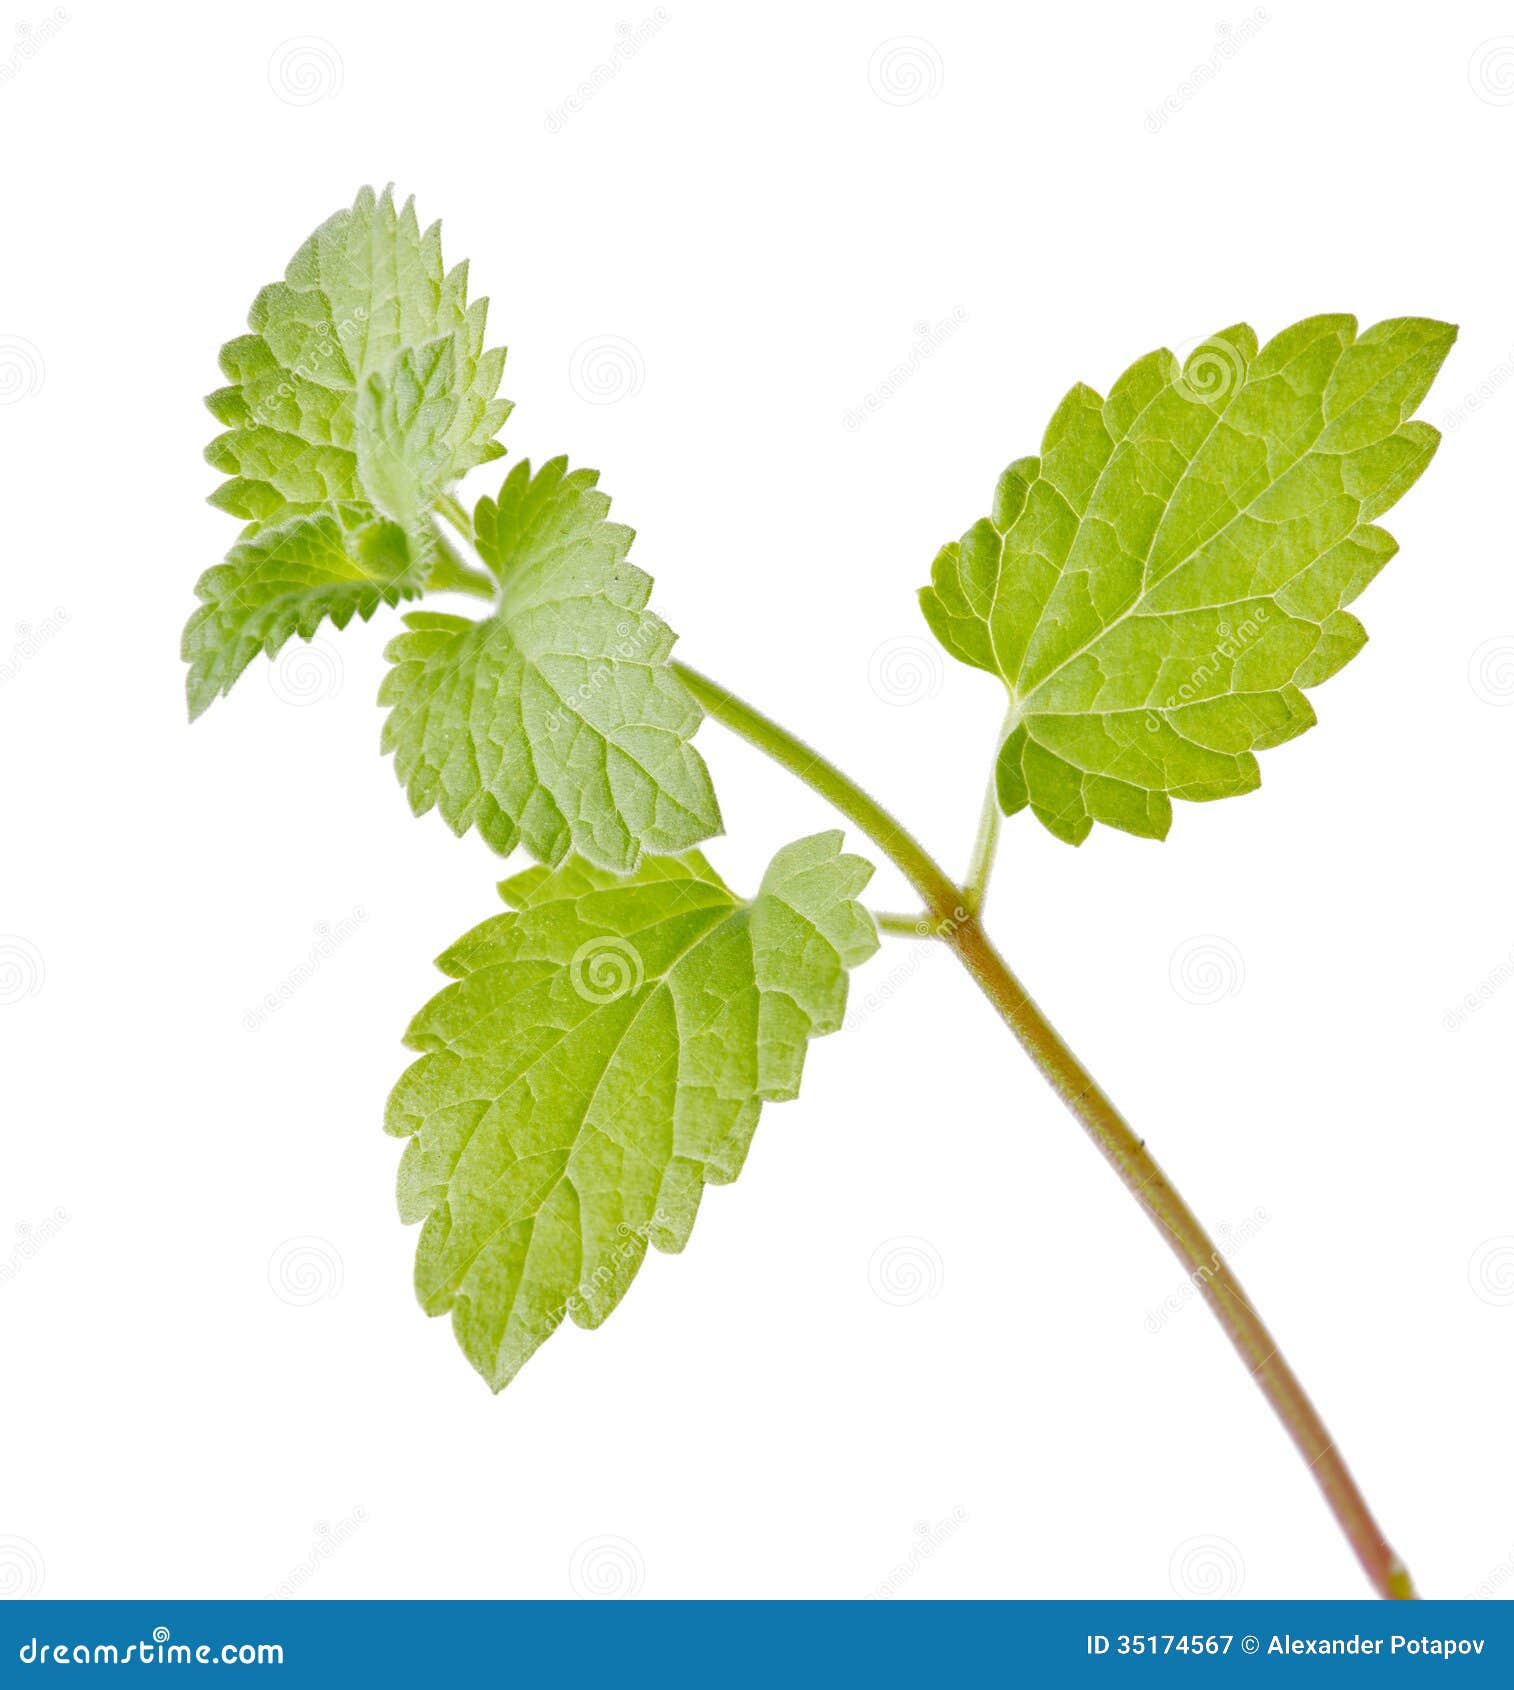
x,y
1156,591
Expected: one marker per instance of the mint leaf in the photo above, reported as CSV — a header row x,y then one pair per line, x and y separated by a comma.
x,y
361,393
1159,585
285,580
603,1054
364,379
557,721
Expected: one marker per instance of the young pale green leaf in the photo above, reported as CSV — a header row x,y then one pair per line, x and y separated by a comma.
x,y
1159,585
285,580
364,379
602,1055
556,721
362,391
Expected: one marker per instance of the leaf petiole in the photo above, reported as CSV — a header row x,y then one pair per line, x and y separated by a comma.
x,y
448,505
981,864
903,926
450,573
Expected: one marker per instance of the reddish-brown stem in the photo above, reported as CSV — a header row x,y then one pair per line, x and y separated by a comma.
x,y
951,914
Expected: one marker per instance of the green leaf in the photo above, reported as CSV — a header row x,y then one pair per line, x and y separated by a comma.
x,y
364,380
285,580
603,1055
1159,585
557,721
361,393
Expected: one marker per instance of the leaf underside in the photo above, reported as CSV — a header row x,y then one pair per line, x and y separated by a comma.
x,y
557,721
287,579
361,392
1157,588
602,1055
366,336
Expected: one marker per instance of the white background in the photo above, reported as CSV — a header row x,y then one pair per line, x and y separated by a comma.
x,y
759,211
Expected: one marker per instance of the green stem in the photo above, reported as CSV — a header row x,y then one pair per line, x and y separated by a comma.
x,y
451,574
981,864
959,928
942,898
